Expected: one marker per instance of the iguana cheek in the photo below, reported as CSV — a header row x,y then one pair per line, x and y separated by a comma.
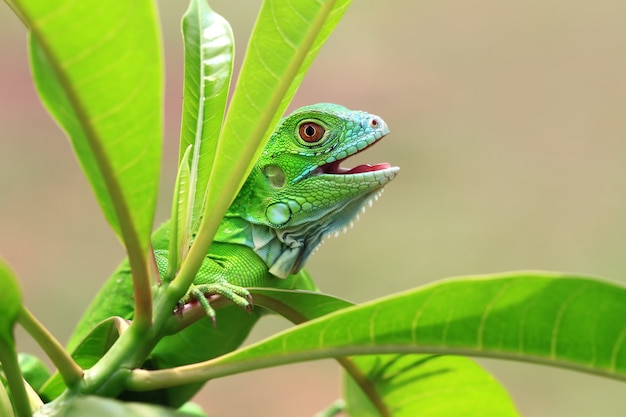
x,y
278,213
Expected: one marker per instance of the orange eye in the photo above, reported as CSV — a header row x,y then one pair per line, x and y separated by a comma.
x,y
311,132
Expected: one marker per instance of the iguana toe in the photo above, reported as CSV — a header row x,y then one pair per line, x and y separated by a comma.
x,y
201,292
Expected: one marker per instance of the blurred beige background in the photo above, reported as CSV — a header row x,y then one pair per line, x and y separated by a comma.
x,y
507,119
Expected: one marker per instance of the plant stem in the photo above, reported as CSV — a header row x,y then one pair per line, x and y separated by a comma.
x,y
69,370
128,352
11,367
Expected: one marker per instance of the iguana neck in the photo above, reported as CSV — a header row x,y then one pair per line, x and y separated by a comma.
x,y
285,251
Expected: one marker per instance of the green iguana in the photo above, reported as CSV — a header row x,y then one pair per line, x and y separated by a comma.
x,y
296,194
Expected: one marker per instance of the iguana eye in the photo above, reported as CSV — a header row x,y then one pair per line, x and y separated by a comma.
x,y
311,132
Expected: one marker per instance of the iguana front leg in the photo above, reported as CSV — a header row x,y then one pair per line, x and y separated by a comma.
x,y
226,270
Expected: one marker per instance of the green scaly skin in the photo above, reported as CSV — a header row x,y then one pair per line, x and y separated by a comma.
x,y
296,194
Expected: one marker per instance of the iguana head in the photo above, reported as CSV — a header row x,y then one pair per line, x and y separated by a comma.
x,y
299,192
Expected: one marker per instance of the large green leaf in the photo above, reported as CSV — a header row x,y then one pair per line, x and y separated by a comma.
x,y
554,319
567,321
97,67
209,46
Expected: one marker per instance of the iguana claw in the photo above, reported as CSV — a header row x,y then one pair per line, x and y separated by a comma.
x,y
200,292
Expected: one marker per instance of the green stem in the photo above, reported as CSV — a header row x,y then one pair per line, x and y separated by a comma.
x,y
129,352
69,370
10,365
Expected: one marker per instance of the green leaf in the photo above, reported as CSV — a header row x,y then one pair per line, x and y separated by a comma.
x,y
426,386
555,319
209,50
98,69
93,406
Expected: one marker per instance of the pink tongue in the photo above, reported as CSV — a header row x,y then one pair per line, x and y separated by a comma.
x,y
368,168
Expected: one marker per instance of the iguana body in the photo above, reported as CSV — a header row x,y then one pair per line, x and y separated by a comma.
x,y
296,194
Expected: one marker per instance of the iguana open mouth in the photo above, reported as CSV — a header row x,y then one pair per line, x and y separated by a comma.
x,y
336,168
